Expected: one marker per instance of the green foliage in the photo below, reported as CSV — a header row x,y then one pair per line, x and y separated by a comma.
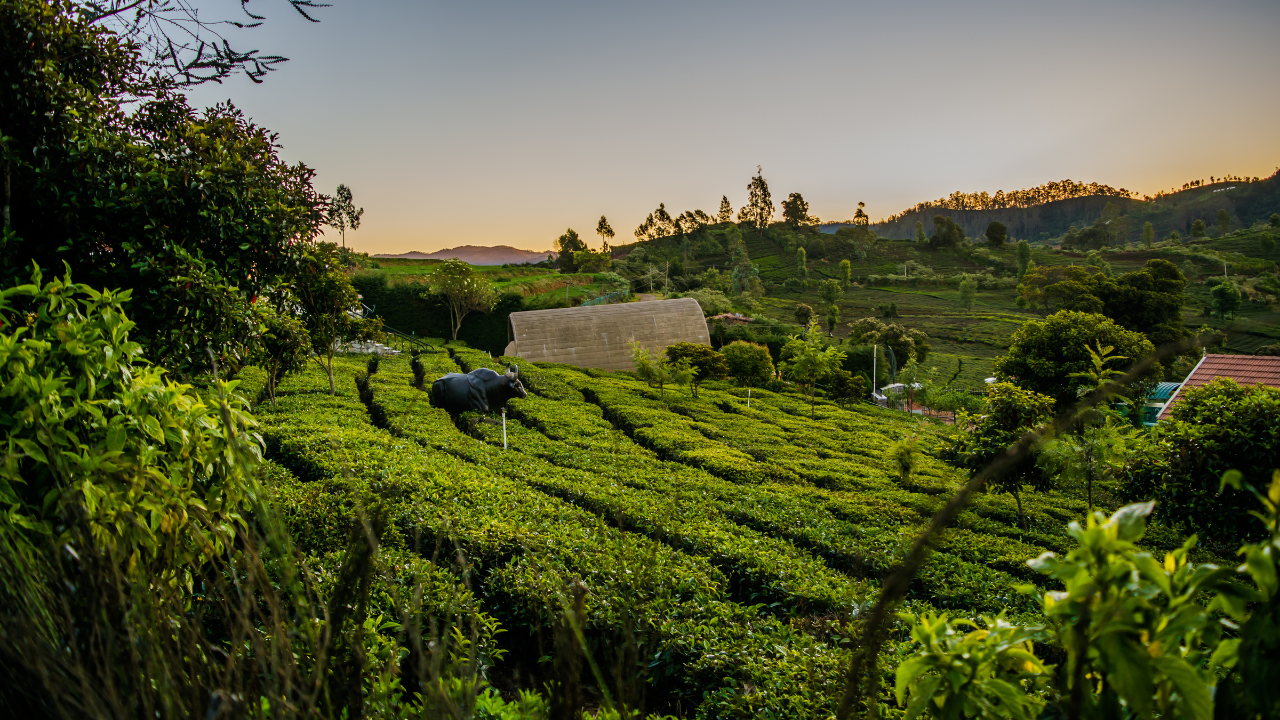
x,y
906,344
706,364
1148,235
758,211
1010,412
846,273
1211,430
808,361
803,314
464,291
802,267
968,289
199,212
283,346
661,371
725,213
329,305
1045,357
795,211
830,292
947,234
567,246
1139,638
997,233
1197,228
343,212
1224,222
920,236
986,672
748,363
1226,299
93,431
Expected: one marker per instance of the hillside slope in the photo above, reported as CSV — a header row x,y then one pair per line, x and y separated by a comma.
x,y
1247,203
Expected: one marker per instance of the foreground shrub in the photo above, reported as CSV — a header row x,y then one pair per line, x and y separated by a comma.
x,y
1218,427
1139,637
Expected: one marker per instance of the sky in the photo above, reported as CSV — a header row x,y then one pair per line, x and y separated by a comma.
x,y
494,122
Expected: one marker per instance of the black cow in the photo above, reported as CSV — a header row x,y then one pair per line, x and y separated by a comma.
x,y
481,389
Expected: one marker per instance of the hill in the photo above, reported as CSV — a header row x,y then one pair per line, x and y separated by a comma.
x,y
1247,202
477,255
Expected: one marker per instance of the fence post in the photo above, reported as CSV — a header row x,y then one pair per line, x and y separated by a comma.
x,y
504,428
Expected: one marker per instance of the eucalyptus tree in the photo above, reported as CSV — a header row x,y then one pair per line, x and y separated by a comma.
x,y
343,213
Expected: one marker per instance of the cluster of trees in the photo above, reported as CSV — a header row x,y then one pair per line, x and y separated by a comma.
x,y
1049,192
111,174
1148,301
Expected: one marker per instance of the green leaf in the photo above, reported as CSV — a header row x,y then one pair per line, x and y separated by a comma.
x,y
1197,702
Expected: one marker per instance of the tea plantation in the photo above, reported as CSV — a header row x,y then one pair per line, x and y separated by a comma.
x,y
720,552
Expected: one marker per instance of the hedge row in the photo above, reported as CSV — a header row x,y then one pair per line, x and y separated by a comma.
x,y
760,568
527,548
863,535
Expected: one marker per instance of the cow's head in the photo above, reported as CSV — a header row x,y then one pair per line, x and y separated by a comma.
x,y
514,387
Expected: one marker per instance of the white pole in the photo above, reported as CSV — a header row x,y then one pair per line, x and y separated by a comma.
x,y
748,397
504,428
874,357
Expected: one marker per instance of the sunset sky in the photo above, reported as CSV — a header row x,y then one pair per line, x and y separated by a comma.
x,y
503,123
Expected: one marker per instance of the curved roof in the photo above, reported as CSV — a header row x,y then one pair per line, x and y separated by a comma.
x,y
599,336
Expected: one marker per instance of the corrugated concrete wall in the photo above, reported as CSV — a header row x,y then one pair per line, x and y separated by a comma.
x,y
600,336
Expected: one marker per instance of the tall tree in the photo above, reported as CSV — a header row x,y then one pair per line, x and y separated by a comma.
x,y
566,245
803,314
1224,222
343,213
947,234
846,273
605,232
920,236
1148,235
860,217
330,310
830,292
759,208
465,291
1024,257
808,362
796,211
1197,228
117,176
997,233
968,289
1048,357
1009,412
802,268
726,210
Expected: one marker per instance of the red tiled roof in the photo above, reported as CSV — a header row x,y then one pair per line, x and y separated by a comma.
x,y
1244,369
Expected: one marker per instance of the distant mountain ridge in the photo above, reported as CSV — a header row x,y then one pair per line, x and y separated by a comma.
x,y
1247,203
477,255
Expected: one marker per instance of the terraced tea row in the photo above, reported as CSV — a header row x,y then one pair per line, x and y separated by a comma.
x,y
528,548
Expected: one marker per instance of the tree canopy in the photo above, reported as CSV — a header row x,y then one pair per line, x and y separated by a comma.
x,y
1050,357
1149,300
119,178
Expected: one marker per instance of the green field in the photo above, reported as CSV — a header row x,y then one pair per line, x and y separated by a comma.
x,y
735,544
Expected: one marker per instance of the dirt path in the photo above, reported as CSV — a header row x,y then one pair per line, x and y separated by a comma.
x,y
646,296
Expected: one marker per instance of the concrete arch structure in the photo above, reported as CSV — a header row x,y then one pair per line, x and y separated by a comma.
x,y
600,336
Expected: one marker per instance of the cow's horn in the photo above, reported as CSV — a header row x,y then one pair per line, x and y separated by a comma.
x,y
512,370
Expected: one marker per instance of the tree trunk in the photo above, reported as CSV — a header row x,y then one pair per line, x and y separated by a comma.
x,y
333,390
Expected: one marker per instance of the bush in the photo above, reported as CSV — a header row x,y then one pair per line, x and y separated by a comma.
x,y
748,363
1218,427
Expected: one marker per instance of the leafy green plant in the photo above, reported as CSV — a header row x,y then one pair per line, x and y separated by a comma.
x,y
986,672
808,361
